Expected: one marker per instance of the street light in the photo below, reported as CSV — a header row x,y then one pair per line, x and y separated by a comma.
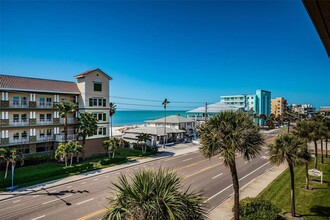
x,y
165,102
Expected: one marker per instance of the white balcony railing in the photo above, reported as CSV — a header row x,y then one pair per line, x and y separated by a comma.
x,y
45,105
18,140
61,137
69,121
45,138
44,122
18,123
18,104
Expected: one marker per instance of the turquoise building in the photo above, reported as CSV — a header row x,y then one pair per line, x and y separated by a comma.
x,y
260,102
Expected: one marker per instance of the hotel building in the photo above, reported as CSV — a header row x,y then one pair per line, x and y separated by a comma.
x,y
279,105
259,102
30,121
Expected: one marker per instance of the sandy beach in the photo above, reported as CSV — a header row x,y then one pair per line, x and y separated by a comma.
x,y
119,130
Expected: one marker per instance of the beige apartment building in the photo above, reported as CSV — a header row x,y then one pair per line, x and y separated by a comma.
x,y
30,121
278,106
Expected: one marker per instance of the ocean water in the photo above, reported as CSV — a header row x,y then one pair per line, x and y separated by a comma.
x,y
121,118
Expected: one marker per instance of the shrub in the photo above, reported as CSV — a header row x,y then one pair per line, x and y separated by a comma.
x,y
36,159
255,208
115,160
149,149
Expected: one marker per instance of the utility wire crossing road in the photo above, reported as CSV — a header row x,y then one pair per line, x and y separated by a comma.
x,y
86,198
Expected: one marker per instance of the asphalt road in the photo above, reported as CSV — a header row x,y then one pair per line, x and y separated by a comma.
x,y
87,198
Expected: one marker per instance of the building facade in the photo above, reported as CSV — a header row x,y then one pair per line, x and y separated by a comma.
x,y
30,121
278,106
304,109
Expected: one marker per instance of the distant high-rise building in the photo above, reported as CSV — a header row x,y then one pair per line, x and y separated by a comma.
x,y
304,109
278,106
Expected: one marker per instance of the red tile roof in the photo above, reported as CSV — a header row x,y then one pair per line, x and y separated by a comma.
x,y
90,71
38,85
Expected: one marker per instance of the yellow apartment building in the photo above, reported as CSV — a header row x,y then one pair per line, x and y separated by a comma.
x,y
278,106
30,122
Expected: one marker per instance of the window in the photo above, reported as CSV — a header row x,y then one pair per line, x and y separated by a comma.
x,y
99,117
104,116
48,101
100,131
41,133
97,102
16,136
24,135
24,101
40,149
49,132
42,117
42,101
15,100
49,117
104,131
16,117
23,118
98,87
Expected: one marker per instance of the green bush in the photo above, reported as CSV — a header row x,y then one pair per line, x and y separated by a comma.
x,y
36,159
148,150
255,208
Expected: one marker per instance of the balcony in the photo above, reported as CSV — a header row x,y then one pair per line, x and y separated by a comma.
x,y
45,138
15,123
44,122
61,137
15,104
69,121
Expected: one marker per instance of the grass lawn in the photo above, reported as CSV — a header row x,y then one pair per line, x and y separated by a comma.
x,y
310,204
30,175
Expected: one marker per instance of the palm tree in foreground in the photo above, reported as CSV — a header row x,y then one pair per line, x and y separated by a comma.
x,y
153,195
303,130
227,134
288,148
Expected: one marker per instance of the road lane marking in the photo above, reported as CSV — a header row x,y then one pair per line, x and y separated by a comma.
x,y
187,159
92,214
79,203
117,173
83,183
42,216
56,199
68,187
136,168
202,170
52,191
217,176
95,179
106,176
218,193
16,201
35,196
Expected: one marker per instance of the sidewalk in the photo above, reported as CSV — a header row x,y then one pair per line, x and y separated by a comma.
x,y
251,189
177,150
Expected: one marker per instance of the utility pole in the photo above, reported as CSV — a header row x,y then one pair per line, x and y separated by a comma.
x,y
165,102
205,111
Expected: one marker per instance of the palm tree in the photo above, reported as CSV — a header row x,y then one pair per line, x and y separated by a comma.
x,y
2,154
142,138
112,111
229,133
87,125
327,135
303,130
288,148
111,145
65,108
152,195
62,152
316,135
74,148
263,117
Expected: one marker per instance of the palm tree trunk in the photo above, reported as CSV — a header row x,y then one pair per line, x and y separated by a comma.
x,y
326,147
83,145
315,148
293,207
289,127
307,177
65,129
113,155
111,127
236,189
7,167
77,157
321,151
71,158
66,161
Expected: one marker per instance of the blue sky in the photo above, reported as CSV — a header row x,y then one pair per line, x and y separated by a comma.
x,y
191,51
